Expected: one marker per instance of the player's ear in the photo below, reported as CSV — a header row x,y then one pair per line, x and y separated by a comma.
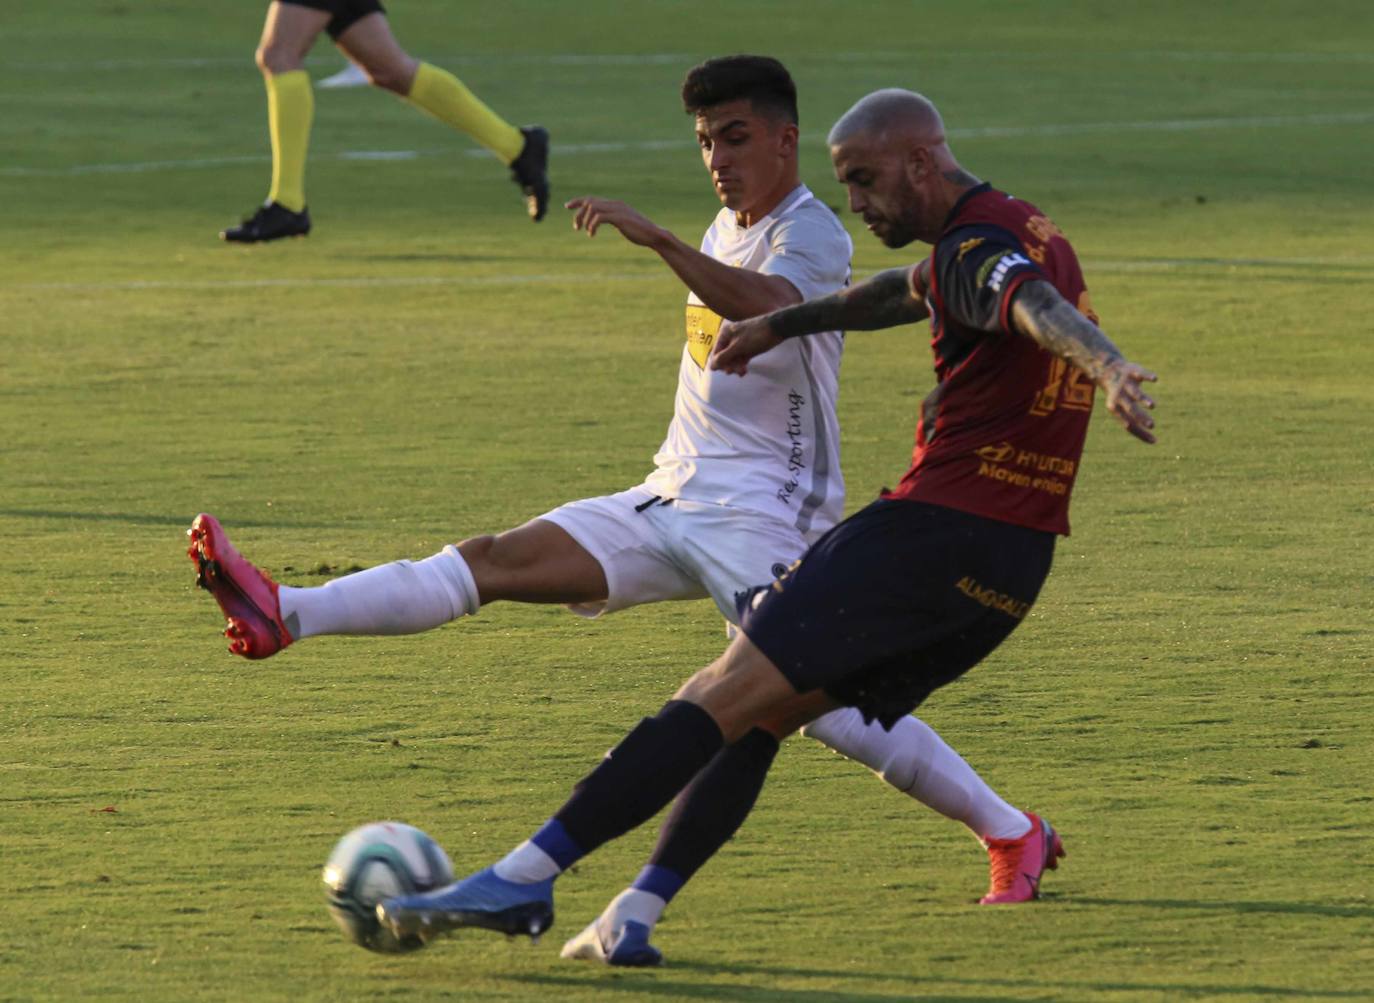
x,y
787,139
919,164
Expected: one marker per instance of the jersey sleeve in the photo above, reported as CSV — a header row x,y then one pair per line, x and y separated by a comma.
x,y
977,270
811,252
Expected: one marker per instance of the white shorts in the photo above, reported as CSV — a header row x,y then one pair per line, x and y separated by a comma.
x,y
652,550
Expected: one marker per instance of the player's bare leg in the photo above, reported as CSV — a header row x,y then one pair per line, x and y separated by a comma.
x,y
369,43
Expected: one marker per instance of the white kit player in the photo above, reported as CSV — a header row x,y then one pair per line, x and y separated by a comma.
x,y
747,477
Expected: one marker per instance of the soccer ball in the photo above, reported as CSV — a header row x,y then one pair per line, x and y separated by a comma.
x,y
375,862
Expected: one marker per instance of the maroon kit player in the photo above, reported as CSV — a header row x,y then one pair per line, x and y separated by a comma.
x,y
910,592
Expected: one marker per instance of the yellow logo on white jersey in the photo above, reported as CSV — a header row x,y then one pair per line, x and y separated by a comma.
x,y
703,324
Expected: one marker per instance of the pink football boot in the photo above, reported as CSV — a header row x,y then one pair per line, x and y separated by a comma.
x,y
1017,864
245,594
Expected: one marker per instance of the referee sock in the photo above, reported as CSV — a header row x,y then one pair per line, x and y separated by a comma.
x,y
918,762
639,776
446,98
290,109
403,597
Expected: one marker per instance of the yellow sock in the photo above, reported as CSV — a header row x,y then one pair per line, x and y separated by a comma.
x,y
446,98
290,108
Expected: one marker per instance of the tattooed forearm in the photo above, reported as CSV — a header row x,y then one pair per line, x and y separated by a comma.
x,y
1039,312
885,300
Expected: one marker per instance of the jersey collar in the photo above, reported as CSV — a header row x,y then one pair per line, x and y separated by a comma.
x,y
958,207
789,202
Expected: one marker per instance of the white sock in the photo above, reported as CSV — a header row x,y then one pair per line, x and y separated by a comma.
x,y
526,864
403,597
915,760
632,904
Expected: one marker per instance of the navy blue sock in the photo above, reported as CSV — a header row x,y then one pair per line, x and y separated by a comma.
x,y
640,775
709,811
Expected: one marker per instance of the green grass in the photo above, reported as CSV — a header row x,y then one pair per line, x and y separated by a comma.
x,y
1191,701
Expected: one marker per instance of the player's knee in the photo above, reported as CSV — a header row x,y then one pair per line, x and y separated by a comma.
x,y
479,552
392,75
273,59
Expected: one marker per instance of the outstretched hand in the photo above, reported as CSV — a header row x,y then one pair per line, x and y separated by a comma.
x,y
1126,399
738,341
633,225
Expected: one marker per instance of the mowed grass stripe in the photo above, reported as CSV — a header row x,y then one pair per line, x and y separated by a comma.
x,y
579,148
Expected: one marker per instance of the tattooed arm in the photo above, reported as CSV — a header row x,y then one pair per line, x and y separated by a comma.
x,y
1040,313
890,298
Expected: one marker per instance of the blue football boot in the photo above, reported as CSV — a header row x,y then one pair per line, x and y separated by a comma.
x,y
481,900
628,946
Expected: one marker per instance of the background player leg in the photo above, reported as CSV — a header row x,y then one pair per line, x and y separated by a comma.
x,y
287,35
371,45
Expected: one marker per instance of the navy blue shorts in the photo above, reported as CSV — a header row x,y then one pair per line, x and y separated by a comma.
x,y
899,599
346,12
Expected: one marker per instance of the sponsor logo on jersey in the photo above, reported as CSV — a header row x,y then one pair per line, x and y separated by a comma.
x,y
703,324
1000,453
1005,264
967,246
796,447
1042,228
1038,471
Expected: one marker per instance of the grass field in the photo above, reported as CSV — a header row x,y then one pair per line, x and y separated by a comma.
x,y
1191,702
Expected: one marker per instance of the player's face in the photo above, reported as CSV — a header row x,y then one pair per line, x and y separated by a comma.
x,y
880,189
748,154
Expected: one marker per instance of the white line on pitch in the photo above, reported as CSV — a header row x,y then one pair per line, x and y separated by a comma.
x,y
566,149
905,56
1174,264
543,278
346,282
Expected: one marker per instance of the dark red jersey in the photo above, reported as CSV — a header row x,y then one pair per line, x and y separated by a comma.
x,y
1002,434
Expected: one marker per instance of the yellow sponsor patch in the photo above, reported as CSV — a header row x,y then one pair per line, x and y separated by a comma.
x,y
703,325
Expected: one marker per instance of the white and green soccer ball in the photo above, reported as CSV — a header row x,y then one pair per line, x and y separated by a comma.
x,y
375,862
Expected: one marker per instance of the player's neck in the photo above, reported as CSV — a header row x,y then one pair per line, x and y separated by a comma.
x,y
954,185
785,187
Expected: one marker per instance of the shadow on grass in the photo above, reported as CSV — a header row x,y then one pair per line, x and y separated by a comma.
x,y
1282,908
669,982
643,984
181,520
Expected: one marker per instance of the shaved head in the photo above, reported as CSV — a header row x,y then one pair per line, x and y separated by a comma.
x,y
889,114
890,151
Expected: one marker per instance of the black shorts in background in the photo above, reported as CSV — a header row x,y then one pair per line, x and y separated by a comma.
x,y
346,12
899,599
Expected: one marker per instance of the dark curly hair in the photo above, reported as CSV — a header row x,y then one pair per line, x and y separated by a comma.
x,y
763,80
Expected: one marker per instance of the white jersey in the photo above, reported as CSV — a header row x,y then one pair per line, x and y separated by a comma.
x,y
768,441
